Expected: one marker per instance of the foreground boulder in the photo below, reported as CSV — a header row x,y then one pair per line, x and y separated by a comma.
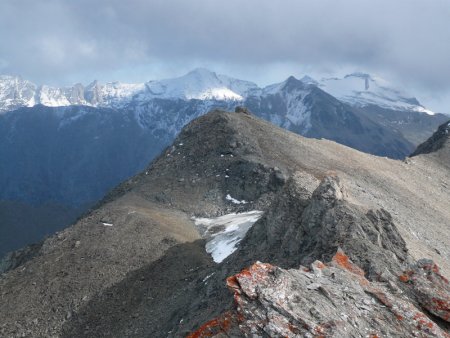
x,y
324,300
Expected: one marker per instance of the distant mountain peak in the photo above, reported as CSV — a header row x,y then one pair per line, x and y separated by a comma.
x,y
289,84
309,80
201,84
363,89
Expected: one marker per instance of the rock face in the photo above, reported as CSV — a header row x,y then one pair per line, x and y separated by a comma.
x,y
326,300
301,229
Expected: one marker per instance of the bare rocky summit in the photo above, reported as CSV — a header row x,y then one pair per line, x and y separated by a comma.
x,y
136,266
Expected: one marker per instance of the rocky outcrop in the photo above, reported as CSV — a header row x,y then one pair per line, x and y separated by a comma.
x,y
322,300
436,142
300,228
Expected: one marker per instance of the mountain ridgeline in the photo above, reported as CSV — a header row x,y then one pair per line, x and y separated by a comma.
x,y
64,148
341,233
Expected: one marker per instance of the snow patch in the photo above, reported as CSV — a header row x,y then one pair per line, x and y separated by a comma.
x,y
234,200
224,233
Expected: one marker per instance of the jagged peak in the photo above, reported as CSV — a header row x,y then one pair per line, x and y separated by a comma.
x,y
287,85
93,84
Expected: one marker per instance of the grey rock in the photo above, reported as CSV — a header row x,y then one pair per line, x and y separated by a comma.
x,y
301,228
273,302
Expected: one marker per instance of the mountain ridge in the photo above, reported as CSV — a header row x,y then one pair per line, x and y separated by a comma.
x,y
146,223
199,83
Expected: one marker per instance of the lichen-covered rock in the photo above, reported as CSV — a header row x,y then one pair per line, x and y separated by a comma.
x,y
324,300
431,289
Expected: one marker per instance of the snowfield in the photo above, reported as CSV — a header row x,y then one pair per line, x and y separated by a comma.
x,y
224,233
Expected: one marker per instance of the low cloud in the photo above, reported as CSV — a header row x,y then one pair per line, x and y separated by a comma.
x,y
57,40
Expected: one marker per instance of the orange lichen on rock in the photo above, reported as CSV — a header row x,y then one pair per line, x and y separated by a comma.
x,y
399,317
245,280
220,324
442,306
404,278
341,259
232,283
256,271
423,321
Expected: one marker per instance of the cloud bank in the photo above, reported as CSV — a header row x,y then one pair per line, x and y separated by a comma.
x,y
58,40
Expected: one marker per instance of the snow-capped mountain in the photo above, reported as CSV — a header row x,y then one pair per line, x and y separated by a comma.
x,y
357,89
309,111
199,84
360,89
16,93
167,105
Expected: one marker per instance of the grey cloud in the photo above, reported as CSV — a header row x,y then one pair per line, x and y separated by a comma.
x,y
52,40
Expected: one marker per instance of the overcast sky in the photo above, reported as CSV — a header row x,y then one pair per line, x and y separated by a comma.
x,y
65,41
